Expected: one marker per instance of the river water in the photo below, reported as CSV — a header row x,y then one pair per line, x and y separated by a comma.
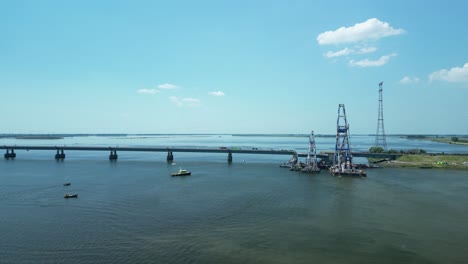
x,y
251,211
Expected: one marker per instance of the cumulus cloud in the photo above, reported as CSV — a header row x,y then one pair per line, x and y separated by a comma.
x,y
454,75
167,86
366,50
338,53
348,51
372,29
409,80
175,100
185,101
217,93
191,100
372,63
148,91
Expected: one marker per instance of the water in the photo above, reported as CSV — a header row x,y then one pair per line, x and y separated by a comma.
x,y
132,211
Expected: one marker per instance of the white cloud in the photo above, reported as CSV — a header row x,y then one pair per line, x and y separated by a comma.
x,y
409,80
372,29
338,53
167,86
372,63
185,101
176,100
191,100
217,93
148,91
454,75
348,51
366,50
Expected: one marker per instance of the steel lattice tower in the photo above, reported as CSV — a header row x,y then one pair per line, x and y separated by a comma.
x,y
342,158
380,140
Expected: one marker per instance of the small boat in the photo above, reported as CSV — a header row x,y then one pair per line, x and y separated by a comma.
x,y
181,172
67,184
70,196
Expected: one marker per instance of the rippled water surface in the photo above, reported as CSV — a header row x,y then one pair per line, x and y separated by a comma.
x,y
132,211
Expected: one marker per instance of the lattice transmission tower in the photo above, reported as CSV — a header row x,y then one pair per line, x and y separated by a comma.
x,y
380,140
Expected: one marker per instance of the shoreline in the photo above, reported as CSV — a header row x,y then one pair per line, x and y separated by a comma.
x,y
428,162
461,140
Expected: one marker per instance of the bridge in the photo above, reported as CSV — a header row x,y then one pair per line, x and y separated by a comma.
x,y
60,151
60,155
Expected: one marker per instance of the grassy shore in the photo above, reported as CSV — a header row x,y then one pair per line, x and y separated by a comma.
x,y
447,140
429,161
460,140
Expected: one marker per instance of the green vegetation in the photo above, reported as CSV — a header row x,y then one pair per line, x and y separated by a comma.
x,y
413,151
376,150
381,150
452,140
430,161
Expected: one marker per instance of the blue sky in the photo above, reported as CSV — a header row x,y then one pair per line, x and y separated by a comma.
x,y
232,66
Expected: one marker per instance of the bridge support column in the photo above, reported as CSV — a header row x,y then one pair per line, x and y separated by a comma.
x,y
60,155
113,155
170,157
229,159
10,155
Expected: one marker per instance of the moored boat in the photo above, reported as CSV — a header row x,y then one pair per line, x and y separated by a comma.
x,y
70,196
67,184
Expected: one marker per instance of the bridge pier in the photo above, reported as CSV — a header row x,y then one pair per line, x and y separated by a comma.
x,y
170,156
113,155
229,159
60,155
10,155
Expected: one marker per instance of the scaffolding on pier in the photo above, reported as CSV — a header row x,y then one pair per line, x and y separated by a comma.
x,y
343,158
311,165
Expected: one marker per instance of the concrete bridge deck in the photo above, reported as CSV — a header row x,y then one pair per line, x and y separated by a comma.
x,y
155,149
113,150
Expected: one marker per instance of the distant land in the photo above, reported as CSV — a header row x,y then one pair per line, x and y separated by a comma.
x,y
39,137
448,139
434,137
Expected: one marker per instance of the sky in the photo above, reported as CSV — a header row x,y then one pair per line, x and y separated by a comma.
x,y
233,66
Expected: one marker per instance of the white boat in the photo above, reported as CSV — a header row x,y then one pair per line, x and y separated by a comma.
x,y
181,172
